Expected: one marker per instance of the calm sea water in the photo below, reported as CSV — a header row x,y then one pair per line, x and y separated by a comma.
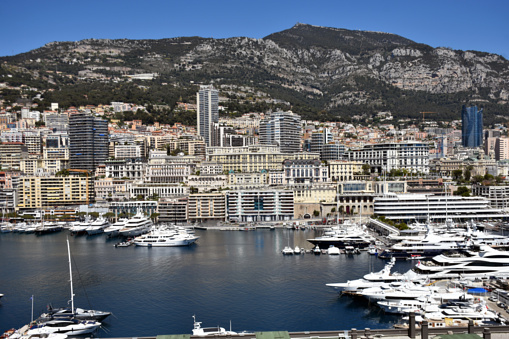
x,y
234,276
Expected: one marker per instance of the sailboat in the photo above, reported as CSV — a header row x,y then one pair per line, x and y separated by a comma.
x,y
72,312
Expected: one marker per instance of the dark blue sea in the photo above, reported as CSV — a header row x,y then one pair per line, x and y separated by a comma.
x,y
234,276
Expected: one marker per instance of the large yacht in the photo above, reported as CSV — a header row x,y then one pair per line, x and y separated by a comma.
x,y
432,244
487,263
344,235
113,230
373,279
137,225
98,226
165,236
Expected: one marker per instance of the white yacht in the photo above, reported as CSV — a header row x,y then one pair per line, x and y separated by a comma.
x,y
98,226
474,311
344,235
374,279
432,244
165,237
333,250
67,326
80,227
210,331
137,225
287,250
113,230
487,263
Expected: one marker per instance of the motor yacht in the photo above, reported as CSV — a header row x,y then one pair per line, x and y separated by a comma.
x,y
487,263
344,235
137,225
432,244
80,228
67,326
211,331
113,230
98,226
287,250
48,227
166,237
333,250
374,279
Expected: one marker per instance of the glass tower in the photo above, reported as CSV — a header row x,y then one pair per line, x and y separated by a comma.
x,y
88,141
471,129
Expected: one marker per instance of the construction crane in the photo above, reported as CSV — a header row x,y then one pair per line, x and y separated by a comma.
x,y
86,173
423,113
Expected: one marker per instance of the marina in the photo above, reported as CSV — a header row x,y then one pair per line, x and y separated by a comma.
x,y
226,276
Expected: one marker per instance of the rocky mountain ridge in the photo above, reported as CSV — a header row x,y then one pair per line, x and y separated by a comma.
x,y
331,69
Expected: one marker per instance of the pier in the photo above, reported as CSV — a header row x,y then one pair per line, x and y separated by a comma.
x,y
424,332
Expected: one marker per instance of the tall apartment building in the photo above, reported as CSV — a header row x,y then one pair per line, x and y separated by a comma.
x,y
39,192
88,141
502,149
207,102
319,139
281,129
471,128
203,207
11,154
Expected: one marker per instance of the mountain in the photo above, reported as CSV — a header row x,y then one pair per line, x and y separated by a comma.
x,y
321,72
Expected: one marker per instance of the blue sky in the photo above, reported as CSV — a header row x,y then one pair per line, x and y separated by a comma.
x,y
466,25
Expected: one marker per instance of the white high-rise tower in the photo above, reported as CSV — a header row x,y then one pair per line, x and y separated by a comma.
x,y
207,100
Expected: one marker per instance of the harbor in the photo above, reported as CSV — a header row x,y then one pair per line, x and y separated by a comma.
x,y
236,277
226,276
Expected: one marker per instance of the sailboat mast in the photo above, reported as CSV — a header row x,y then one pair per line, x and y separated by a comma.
x,y
70,274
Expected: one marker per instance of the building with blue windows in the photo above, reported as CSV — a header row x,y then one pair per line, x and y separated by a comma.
x,y
471,128
88,141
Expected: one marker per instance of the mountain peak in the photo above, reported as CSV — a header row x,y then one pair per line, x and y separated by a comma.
x,y
350,41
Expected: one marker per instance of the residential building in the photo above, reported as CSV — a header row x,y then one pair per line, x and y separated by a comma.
x,y
471,126
111,189
207,101
127,152
206,207
260,205
281,129
11,154
172,211
343,170
88,141
502,148
38,192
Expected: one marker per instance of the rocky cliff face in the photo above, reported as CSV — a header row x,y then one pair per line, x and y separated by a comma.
x,y
319,63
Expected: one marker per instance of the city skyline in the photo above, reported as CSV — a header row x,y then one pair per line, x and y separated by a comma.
x,y
469,26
